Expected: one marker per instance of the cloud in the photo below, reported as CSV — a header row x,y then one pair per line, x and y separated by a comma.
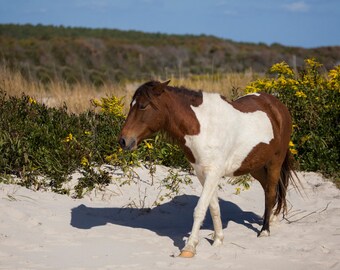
x,y
299,6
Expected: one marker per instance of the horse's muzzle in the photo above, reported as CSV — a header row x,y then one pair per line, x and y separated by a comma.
x,y
127,143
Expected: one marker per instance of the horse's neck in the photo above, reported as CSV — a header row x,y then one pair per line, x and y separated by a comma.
x,y
181,119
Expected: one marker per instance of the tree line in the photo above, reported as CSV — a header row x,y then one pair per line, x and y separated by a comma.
x,y
97,56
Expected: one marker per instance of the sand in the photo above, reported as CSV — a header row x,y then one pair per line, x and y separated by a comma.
x,y
119,228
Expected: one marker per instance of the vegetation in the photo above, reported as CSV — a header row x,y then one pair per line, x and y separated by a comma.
x,y
61,99
314,102
100,56
43,145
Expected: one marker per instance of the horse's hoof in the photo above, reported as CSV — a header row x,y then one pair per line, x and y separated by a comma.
x,y
217,243
186,254
264,233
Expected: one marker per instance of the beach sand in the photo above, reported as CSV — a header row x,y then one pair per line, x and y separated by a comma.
x,y
119,228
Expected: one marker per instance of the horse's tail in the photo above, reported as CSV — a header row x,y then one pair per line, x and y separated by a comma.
x,y
287,176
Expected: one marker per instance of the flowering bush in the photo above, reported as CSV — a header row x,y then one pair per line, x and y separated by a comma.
x,y
313,99
43,146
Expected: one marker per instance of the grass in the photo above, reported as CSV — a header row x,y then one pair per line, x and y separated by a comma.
x,y
77,97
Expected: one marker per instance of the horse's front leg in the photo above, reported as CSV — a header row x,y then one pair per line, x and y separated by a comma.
x,y
215,213
209,189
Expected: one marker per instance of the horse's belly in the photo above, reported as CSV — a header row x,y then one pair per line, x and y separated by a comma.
x,y
225,161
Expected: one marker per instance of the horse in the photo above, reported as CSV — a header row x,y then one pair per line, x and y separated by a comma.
x,y
219,138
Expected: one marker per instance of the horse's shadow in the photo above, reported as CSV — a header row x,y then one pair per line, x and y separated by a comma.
x,y
173,219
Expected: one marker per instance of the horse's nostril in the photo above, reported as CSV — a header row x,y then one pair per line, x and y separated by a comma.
x,y
122,143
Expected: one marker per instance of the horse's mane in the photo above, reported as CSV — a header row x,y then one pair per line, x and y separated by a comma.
x,y
144,89
185,91
147,87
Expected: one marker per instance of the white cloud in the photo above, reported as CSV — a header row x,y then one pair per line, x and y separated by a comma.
x,y
300,6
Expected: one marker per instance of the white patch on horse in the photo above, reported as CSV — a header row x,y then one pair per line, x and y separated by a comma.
x,y
226,136
251,94
133,103
254,94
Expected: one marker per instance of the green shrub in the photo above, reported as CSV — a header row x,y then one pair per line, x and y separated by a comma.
x,y
44,146
313,99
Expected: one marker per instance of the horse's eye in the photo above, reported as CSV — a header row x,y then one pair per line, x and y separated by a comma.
x,y
142,106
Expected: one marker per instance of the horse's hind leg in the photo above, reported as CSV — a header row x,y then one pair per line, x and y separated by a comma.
x,y
269,178
273,177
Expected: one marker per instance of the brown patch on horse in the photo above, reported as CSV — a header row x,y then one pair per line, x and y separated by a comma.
x,y
255,159
183,120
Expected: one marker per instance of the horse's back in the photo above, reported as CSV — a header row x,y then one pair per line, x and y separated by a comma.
x,y
269,104
258,101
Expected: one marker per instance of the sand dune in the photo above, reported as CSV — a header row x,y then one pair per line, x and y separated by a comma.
x,y
117,229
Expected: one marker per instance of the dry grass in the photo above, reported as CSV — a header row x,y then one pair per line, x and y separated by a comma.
x,y
78,97
227,84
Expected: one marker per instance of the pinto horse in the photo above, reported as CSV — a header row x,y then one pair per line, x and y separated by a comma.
x,y
219,138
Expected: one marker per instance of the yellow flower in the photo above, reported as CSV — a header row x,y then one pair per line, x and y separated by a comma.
x,y
84,161
311,62
293,151
96,102
148,145
88,132
32,100
334,79
300,94
305,138
69,138
111,104
282,69
111,157
252,89
334,73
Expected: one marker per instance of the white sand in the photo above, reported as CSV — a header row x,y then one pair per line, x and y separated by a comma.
x,y
105,230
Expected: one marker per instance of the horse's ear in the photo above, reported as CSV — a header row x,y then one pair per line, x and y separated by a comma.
x,y
166,83
159,88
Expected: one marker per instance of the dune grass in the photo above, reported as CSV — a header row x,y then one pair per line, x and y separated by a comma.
x,y
77,97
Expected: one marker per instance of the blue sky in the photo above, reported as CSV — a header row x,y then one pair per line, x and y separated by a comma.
x,y
305,23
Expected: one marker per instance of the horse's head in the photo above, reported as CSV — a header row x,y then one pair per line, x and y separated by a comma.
x,y
145,116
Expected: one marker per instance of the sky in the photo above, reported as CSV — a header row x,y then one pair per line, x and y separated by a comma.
x,y
301,23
